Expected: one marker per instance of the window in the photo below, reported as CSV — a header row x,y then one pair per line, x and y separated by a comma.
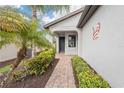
x,y
72,41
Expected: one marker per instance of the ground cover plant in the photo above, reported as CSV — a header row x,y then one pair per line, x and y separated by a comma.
x,y
86,76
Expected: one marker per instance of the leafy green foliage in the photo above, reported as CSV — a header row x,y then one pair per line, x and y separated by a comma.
x,y
12,20
18,75
86,76
35,66
40,63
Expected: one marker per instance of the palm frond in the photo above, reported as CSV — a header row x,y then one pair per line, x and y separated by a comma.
x,y
45,8
56,8
6,38
12,20
16,29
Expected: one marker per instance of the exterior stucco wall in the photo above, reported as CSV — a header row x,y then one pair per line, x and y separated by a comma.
x,y
106,54
67,24
71,50
7,53
57,43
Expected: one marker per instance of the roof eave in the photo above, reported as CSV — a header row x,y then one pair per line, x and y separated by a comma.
x,y
86,15
63,18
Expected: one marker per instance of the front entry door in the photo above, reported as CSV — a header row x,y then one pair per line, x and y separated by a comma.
x,y
61,44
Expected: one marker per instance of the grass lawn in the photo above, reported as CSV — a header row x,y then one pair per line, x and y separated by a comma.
x,y
5,69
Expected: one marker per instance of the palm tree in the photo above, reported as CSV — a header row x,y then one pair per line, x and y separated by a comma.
x,y
17,29
45,8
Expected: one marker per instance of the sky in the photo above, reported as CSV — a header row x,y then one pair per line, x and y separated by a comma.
x,y
49,15
25,9
53,15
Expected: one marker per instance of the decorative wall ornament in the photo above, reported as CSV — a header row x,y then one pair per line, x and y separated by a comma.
x,y
96,31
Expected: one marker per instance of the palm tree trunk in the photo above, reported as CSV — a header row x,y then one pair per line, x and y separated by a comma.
x,y
34,12
20,56
34,18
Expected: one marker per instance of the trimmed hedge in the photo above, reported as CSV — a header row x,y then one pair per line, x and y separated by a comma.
x,y
34,66
86,76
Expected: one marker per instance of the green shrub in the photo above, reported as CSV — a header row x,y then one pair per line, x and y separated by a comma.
x,y
87,77
40,63
35,66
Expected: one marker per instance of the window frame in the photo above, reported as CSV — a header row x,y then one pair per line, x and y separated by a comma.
x,y
73,40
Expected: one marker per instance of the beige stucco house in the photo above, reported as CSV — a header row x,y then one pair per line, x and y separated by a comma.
x,y
95,33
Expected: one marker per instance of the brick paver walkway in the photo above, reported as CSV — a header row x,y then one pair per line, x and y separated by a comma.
x,y
62,76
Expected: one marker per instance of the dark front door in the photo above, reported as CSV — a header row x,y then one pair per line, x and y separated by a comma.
x,y
61,44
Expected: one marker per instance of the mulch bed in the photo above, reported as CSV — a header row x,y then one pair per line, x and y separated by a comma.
x,y
75,77
35,81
